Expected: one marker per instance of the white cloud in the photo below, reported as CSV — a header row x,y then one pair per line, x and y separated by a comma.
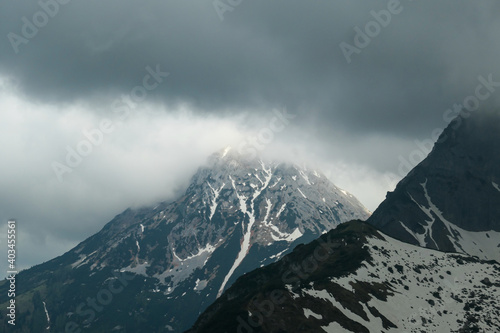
x,y
148,157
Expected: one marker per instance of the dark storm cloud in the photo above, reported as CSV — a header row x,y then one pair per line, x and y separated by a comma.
x,y
356,116
263,54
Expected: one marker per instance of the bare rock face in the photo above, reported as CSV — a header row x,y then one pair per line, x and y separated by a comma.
x,y
451,200
236,215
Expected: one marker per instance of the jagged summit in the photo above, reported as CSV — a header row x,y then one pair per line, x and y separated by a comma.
x,y
227,153
275,197
237,214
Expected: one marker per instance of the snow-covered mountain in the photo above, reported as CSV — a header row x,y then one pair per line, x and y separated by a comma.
x,y
177,257
451,200
356,279
360,279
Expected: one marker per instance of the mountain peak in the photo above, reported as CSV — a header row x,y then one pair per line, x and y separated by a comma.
x,y
222,153
450,200
236,215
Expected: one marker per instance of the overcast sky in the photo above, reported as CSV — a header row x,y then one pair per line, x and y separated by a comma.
x,y
170,82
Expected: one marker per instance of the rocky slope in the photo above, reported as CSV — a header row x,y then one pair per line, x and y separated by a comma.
x,y
356,279
451,200
156,269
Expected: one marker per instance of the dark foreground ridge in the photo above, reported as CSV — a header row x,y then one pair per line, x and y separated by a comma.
x,y
355,279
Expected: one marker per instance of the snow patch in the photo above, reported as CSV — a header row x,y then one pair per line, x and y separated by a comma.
x,y
200,285
226,151
422,274
47,314
183,268
269,205
276,233
208,249
427,227
375,324
419,237
139,269
283,236
82,261
308,313
277,256
247,232
483,244
276,183
306,178
215,192
282,208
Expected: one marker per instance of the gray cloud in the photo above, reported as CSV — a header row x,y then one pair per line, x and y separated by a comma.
x,y
355,119
263,54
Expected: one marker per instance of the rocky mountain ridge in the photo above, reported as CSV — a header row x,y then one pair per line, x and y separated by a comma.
x,y
450,201
235,216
